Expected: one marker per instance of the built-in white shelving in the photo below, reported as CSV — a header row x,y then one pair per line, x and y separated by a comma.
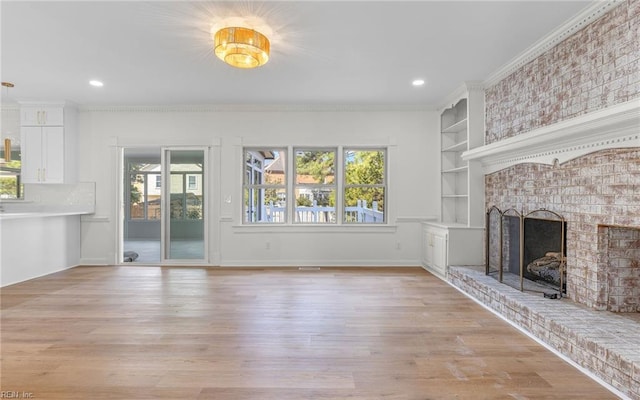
x,y
457,239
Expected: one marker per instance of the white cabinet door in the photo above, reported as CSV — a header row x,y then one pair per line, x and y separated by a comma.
x,y
31,154
53,154
435,250
42,116
42,154
440,252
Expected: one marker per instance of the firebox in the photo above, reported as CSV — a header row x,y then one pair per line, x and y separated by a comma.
x,y
529,246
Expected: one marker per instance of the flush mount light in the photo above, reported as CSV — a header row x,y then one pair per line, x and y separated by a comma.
x,y
96,83
241,47
418,82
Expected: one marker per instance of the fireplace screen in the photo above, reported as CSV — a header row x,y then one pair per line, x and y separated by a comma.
x,y
527,251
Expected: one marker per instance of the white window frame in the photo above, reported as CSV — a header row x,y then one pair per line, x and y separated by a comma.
x,y
338,185
382,185
316,186
250,186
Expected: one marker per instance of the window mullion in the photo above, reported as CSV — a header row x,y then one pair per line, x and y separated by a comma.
x,y
145,194
290,177
339,182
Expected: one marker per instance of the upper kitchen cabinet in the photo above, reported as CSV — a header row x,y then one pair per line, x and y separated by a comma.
x,y
48,142
42,115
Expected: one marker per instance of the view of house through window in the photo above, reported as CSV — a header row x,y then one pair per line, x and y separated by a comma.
x,y
265,185
318,195
145,193
315,186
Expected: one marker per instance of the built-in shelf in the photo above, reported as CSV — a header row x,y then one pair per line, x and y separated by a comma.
x,y
459,126
456,170
460,146
457,238
462,129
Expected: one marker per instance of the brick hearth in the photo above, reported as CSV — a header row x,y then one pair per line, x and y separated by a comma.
x,y
606,344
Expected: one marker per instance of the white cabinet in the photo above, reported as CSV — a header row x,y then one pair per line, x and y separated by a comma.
x,y
42,115
48,142
434,247
445,245
42,154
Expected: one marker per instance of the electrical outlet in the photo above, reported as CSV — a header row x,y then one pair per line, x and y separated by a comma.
x,y
398,246
267,245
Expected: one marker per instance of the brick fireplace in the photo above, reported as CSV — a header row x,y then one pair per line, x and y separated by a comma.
x,y
562,132
596,190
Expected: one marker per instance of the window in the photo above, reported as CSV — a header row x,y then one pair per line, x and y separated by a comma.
x,y
315,186
144,197
158,181
11,186
329,186
364,186
186,198
192,182
264,186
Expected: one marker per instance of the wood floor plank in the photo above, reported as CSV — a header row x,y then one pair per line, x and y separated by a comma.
x,y
254,333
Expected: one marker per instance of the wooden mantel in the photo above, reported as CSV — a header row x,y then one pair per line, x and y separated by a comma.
x,y
613,127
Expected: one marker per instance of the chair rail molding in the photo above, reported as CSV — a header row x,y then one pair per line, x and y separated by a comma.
x,y
613,127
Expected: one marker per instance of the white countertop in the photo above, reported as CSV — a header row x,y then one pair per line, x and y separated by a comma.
x,y
44,211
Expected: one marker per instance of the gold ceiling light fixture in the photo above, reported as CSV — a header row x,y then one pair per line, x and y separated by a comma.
x,y
241,47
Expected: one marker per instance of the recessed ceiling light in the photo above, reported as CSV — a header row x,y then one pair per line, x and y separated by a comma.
x,y
96,83
418,82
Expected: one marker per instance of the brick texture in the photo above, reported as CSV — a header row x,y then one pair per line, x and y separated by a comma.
x,y
598,189
620,257
596,67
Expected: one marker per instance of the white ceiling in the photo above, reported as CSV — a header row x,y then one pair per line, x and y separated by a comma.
x,y
323,52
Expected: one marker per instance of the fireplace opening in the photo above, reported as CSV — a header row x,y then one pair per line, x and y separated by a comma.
x,y
528,251
619,257
544,251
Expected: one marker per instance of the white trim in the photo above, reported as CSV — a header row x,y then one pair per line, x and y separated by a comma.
x,y
428,218
390,263
553,38
94,262
256,108
614,127
460,92
262,228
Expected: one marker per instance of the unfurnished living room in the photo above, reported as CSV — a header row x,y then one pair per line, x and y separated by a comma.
x,y
361,200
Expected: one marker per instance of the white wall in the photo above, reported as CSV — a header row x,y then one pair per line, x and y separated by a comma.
x,y
413,179
37,246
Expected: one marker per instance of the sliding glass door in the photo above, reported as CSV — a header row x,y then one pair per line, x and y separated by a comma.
x,y
185,211
164,218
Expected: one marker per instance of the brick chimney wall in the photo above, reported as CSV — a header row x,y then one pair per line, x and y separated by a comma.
x,y
597,67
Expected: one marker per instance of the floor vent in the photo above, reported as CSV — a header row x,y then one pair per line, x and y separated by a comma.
x,y
308,268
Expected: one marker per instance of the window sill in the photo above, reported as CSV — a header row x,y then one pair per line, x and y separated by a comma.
x,y
307,228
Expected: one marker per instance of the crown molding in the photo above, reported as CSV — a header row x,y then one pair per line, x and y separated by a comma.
x,y
257,108
461,91
613,127
553,38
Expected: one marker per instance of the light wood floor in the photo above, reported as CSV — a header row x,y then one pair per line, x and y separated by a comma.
x,y
197,333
